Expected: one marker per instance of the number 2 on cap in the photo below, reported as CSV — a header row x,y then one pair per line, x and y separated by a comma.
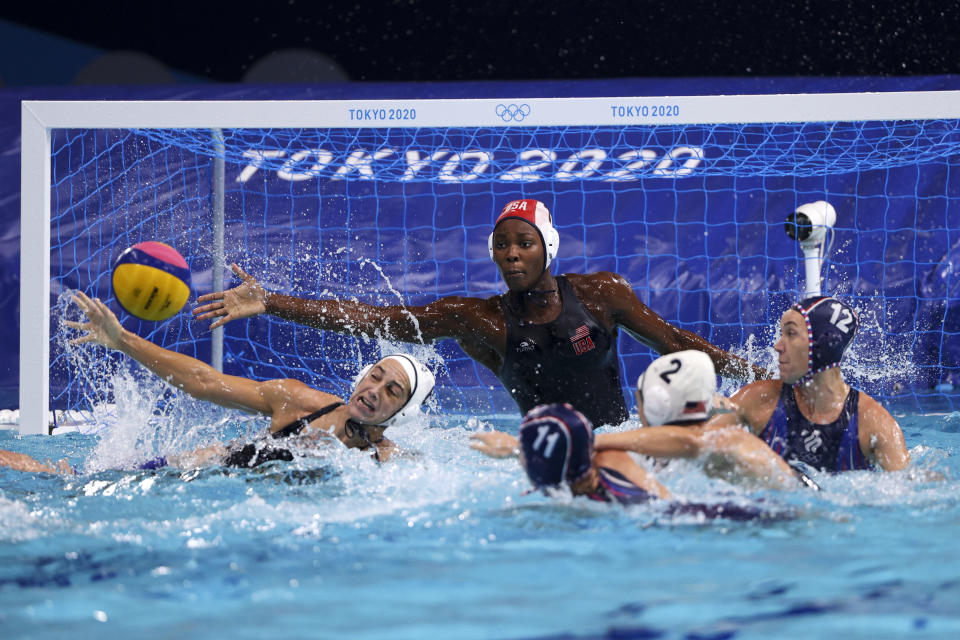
x,y
669,372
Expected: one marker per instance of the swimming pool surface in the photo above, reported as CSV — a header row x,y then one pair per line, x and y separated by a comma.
x,y
443,545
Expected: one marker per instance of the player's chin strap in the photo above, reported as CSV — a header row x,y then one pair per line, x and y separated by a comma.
x,y
353,428
537,296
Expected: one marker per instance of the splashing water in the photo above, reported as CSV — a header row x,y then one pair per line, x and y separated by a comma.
x,y
874,359
314,544
136,415
888,363
233,547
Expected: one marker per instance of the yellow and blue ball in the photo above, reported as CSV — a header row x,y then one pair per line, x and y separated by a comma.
x,y
151,280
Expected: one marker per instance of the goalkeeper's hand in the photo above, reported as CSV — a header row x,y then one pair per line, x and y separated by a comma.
x,y
243,301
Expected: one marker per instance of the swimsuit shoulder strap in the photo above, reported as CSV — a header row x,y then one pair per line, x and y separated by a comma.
x,y
510,316
850,456
565,289
300,424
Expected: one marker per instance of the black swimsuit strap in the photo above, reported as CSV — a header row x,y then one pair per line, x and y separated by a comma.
x,y
300,424
359,428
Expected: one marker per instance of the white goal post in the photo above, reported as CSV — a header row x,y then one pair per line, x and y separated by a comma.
x,y
39,118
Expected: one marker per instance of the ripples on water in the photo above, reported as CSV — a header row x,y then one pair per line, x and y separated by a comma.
x,y
442,543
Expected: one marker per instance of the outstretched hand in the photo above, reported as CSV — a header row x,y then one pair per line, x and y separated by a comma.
x,y
495,444
102,326
245,300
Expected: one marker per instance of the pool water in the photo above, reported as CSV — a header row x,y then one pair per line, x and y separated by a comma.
x,y
442,544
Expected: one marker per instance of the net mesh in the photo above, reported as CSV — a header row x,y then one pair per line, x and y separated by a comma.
x,y
692,216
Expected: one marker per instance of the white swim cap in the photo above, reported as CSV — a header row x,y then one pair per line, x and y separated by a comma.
x,y
421,380
678,387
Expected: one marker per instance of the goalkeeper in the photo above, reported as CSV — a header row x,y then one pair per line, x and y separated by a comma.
x,y
548,339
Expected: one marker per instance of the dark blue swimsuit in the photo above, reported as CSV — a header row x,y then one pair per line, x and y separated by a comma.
x,y
572,359
827,447
614,486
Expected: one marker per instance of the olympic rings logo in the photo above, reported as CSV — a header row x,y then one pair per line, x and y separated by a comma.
x,y
508,112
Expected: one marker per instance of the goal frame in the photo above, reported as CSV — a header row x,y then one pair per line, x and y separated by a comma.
x,y
39,118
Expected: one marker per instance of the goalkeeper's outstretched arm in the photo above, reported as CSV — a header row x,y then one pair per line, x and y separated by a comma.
x,y
450,317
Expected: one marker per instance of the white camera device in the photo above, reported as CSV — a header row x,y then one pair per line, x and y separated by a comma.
x,y
809,223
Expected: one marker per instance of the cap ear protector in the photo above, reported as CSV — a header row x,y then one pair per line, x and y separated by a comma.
x,y
422,382
658,406
534,213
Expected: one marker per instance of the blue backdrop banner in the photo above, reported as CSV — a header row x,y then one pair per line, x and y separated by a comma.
x,y
692,216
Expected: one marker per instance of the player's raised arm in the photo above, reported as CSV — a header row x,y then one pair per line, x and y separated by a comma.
x,y
193,376
441,319
243,301
657,442
740,453
648,327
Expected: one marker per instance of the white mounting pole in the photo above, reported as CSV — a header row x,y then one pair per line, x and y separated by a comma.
x,y
812,266
216,345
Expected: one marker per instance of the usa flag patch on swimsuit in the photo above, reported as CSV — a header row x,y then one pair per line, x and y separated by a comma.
x,y
581,340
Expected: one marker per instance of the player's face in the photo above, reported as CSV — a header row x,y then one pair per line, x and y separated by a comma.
x,y
518,253
793,347
380,394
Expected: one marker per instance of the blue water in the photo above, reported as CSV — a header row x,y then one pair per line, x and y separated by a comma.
x,y
444,545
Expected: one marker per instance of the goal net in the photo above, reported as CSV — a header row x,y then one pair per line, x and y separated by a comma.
x,y
392,204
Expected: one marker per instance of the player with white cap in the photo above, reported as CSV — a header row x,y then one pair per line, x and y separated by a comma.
x,y
549,338
676,389
678,394
386,392
555,445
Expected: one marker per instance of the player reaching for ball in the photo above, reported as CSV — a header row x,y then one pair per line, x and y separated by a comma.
x,y
390,390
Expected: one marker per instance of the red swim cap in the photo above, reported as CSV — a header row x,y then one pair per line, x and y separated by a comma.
x,y
535,213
